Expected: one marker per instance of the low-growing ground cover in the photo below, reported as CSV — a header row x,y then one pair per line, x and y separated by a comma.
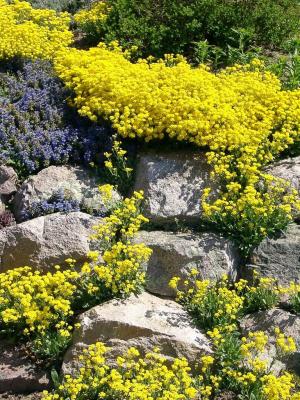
x,y
241,115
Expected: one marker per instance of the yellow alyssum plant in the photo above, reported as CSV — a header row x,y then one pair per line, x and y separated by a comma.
x,y
32,33
241,114
213,304
134,378
239,363
38,307
118,269
117,168
150,377
35,302
91,19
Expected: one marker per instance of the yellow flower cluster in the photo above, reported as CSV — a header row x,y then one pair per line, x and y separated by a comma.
x,y
252,211
279,388
35,302
242,366
125,219
118,269
241,114
93,16
32,33
255,341
116,165
106,192
122,271
264,293
134,378
213,304
283,343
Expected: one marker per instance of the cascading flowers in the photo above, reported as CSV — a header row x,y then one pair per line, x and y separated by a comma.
x,y
240,114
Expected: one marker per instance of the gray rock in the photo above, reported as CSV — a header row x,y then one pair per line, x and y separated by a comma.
x,y
17,373
277,258
266,321
76,182
173,184
176,254
288,169
46,241
144,322
8,182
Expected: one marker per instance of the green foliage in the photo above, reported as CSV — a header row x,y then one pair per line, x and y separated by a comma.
x,y
263,294
287,67
239,51
49,346
158,27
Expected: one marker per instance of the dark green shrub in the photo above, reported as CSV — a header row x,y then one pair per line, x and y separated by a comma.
x,y
168,26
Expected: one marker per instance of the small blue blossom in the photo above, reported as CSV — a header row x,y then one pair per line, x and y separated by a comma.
x,y
58,202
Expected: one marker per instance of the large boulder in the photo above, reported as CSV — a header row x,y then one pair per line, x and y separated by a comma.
x,y
173,184
17,373
76,182
144,322
277,258
46,241
266,321
175,254
8,182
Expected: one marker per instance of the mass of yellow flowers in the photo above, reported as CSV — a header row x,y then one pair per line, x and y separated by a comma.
x,y
34,302
32,33
240,114
153,378
92,17
134,378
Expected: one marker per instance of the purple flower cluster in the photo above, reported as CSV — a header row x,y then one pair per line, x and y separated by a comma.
x,y
58,202
37,128
33,134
